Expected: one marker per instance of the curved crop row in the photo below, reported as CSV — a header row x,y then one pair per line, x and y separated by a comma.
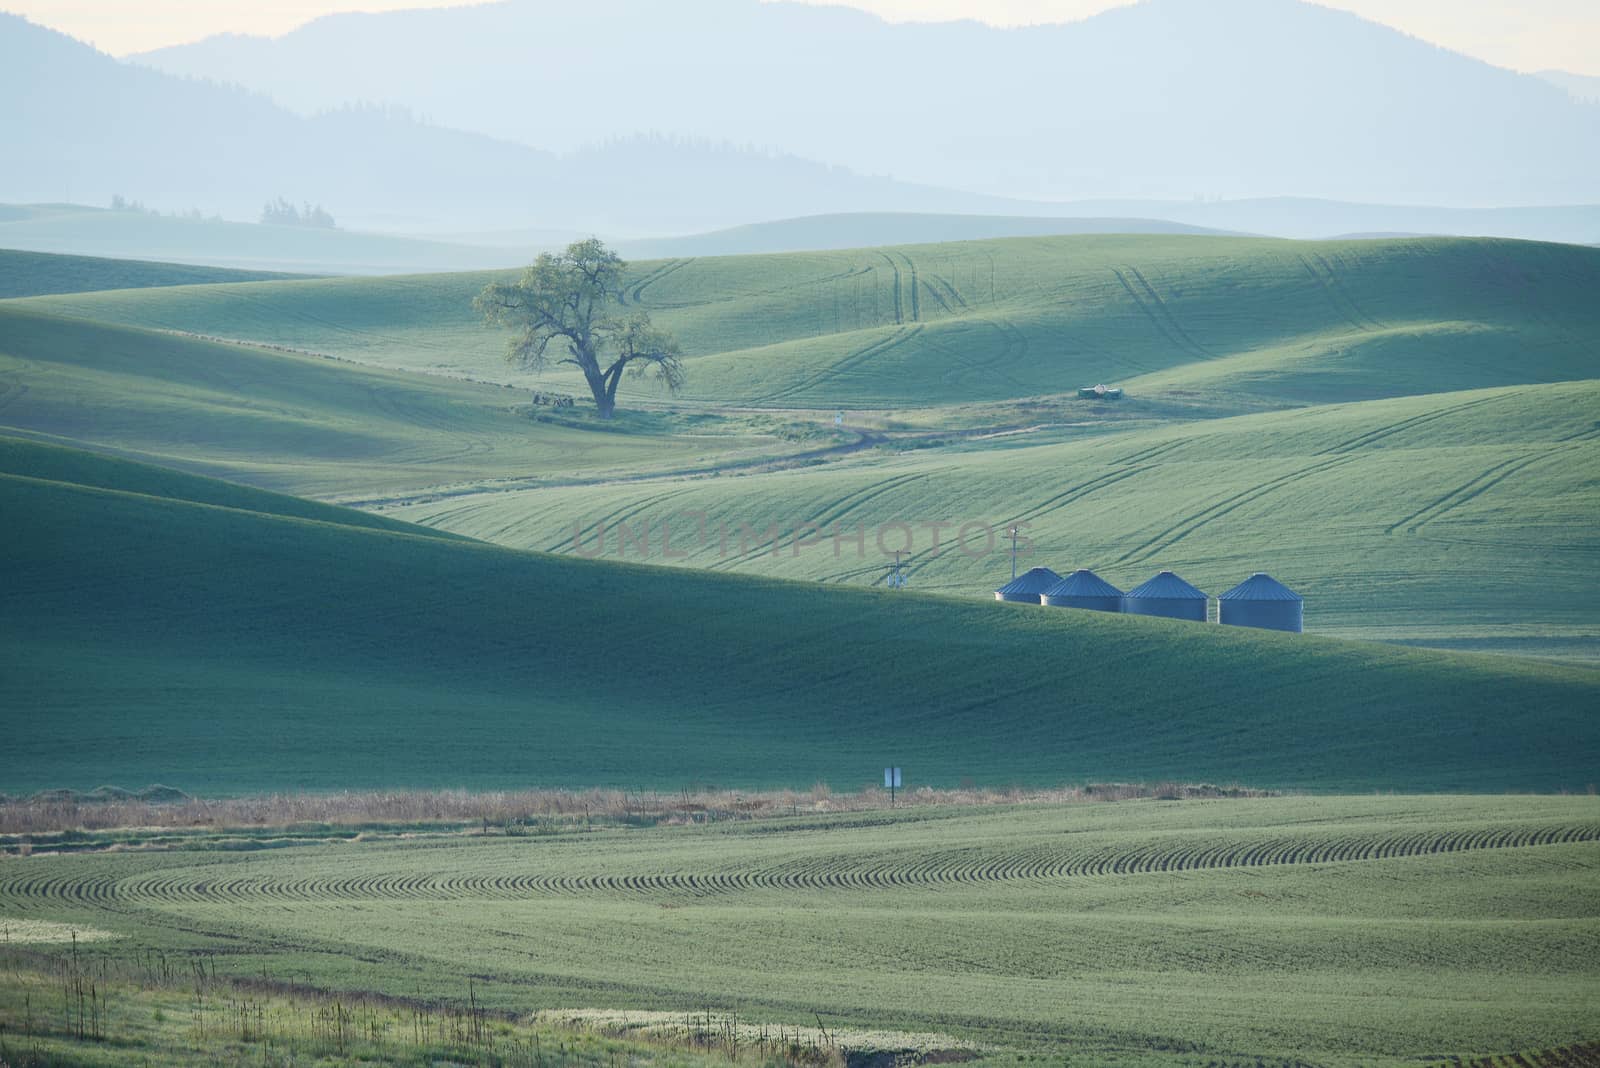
x,y
1581,1055
26,883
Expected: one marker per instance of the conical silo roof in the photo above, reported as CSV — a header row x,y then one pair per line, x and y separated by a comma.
x,y
1260,587
1031,583
1083,583
1166,587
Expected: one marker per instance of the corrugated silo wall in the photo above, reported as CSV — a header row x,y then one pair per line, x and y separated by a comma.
x,y
1268,615
1017,598
1093,604
1192,608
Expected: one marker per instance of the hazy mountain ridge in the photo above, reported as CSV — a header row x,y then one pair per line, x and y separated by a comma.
x,y
96,127
1166,98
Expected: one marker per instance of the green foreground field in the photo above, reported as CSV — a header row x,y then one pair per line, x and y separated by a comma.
x,y
1323,931
1405,431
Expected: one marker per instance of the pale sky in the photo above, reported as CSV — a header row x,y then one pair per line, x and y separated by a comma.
x,y
1524,35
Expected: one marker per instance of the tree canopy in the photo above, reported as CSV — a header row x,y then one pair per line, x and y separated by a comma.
x,y
568,309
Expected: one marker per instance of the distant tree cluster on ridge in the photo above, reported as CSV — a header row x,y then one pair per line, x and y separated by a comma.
x,y
280,212
137,207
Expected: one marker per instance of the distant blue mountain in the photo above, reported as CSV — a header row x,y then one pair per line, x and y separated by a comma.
x,y
92,127
1165,99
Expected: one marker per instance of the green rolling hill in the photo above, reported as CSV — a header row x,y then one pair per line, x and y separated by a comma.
x,y
44,462
296,422
32,274
1249,322
1458,518
1407,431
222,647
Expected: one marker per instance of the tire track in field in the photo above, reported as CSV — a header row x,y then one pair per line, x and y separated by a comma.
x,y
614,518
1350,315
836,511
1182,529
1472,488
1151,453
646,279
1338,295
1582,435
1015,349
24,884
955,299
1073,493
933,292
848,363
1361,441
899,304
655,276
916,299
994,366
1160,316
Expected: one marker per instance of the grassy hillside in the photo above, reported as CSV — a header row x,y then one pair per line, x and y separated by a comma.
x,y
1249,321
1463,518
54,463
286,420
227,650
1446,514
80,230
32,274
1375,931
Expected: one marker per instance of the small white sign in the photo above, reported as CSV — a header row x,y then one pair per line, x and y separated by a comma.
x,y
891,778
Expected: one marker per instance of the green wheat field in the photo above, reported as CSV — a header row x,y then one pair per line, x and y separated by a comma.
x,y
271,538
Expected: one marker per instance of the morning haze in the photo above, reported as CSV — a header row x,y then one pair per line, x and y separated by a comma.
x,y
1561,35
776,535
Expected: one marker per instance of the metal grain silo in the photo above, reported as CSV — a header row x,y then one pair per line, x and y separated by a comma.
x,y
1083,589
1166,595
1262,601
1027,587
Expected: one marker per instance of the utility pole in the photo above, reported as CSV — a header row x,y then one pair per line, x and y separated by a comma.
x,y
896,579
1014,531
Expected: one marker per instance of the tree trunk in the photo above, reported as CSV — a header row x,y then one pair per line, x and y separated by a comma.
x,y
612,378
604,402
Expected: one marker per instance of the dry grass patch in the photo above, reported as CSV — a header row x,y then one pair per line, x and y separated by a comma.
x,y
522,811
37,932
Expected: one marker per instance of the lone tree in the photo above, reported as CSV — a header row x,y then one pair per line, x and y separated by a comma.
x,y
574,300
